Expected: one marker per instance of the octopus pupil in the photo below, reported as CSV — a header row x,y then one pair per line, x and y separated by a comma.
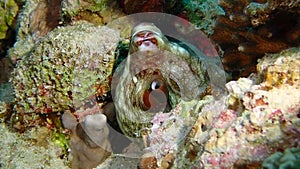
x,y
156,84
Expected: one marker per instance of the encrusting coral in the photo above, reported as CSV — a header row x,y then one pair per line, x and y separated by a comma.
x,y
63,71
255,120
98,12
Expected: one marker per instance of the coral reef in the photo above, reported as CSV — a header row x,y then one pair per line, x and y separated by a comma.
x,y
37,18
24,39
64,69
202,14
68,70
241,129
251,29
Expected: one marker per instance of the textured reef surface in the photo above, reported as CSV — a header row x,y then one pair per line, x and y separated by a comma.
x,y
258,117
52,109
63,70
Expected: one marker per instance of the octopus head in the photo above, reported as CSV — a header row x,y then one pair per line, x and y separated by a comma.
x,y
147,37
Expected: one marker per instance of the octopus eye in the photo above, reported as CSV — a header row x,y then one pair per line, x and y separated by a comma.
x,y
155,98
156,84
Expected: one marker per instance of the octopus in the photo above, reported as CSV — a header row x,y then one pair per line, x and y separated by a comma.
x,y
157,73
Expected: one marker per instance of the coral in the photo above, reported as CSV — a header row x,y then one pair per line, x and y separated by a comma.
x,y
72,7
284,70
98,12
8,13
265,121
24,40
9,10
38,17
170,130
251,29
290,158
203,14
64,69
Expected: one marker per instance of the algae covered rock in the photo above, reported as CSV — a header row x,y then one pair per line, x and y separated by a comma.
x,y
259,122
98,12
8,11
281,68
203,14
65,68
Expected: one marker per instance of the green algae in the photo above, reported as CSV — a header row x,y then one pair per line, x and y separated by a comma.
x,y
203,13
8,12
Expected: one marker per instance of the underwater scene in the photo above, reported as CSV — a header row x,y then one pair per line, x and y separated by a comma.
x,y
152,84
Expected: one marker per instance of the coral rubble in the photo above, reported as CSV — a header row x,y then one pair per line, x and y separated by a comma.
x,y
251,29
64,69
255,120
31,149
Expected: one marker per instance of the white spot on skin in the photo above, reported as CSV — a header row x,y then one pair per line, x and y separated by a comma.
x,y
134,78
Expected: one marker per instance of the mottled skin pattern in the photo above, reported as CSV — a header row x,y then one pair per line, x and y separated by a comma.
x,y
155,76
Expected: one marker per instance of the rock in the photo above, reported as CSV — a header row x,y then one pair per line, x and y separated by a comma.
x,y
267,121
64,69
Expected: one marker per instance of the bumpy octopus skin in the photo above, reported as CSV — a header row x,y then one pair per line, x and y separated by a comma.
x,y
155,76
